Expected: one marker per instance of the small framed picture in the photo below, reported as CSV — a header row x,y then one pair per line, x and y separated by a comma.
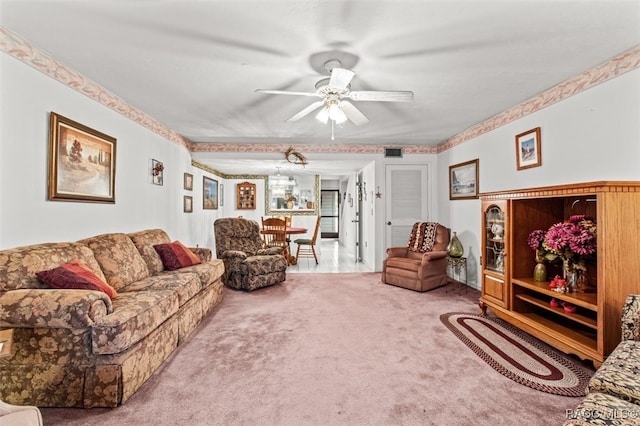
x,y
209,193
188,181
528,149
188,204
221,186
157,172
463,180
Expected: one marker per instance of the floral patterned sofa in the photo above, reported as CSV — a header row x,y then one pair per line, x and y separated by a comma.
x,y
81,348
614,391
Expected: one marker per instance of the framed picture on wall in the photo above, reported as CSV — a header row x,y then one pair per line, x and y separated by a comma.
x,y
187,204
528,149
82,162
188,181
209,193
463,180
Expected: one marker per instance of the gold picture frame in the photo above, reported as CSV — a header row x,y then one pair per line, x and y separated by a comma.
x,y
82,162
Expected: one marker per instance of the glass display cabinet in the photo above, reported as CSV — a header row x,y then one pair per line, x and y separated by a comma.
x,y
494,252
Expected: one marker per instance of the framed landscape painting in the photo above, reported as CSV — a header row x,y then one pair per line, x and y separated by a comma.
x,y
82,162
463,180
528,149
209,193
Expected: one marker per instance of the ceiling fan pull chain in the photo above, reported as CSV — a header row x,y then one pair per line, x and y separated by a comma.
x,y
333,127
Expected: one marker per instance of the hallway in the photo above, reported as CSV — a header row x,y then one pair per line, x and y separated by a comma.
x,y
331,258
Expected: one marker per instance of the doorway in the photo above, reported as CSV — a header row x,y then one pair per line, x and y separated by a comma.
x,y
407,202
329,213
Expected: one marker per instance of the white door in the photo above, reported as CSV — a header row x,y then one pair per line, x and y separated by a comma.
x,y
407,201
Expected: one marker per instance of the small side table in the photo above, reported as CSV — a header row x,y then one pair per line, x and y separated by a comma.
x,y
457,271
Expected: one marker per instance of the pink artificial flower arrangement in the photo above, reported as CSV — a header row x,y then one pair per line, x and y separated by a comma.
x,y
572,241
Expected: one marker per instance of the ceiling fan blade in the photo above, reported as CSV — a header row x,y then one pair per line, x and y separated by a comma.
x,y
314,106
340,78
285,92
381,95
353,113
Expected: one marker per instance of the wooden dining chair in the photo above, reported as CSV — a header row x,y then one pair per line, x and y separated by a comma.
x,y
274,232
307,247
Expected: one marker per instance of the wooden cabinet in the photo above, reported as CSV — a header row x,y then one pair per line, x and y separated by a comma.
x,y
593,330
495,251
246,196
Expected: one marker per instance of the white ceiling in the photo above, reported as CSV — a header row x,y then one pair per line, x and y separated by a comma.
x,y
194,65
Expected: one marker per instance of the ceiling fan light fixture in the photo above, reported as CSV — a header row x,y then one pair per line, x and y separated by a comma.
x,y
323,115
336,114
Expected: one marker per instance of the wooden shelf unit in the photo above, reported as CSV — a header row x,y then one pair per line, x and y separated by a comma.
x,y
246,196
593,330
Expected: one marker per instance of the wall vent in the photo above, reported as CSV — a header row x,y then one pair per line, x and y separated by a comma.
x,y
393,152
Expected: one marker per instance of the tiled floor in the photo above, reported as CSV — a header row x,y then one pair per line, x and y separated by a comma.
x,y
331,258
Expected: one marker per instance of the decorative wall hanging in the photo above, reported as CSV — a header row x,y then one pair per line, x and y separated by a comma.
x,y
209,193
463,180
187,204
82,162
528,152
295,157
188,181
157,172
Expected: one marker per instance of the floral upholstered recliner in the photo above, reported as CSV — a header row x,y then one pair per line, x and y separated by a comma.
x,y
247,264
614,391
86,347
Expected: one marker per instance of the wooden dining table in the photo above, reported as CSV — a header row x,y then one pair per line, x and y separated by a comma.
x,y
290,231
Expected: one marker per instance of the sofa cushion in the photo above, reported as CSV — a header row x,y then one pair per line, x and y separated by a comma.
x,y
135,315
185,285
18,266
144,242
603,409
618,374
75,275
119,259
208,272
175,255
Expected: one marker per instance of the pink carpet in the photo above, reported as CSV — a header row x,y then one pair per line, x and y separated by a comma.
x,y
328,349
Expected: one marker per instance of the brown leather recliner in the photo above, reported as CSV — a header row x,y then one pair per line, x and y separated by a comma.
x,y
416,267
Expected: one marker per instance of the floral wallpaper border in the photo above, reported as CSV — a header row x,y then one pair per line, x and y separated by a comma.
x,y
17,47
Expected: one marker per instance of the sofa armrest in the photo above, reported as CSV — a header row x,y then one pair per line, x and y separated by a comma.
x,y
45,308
204,253
397,252
269,251
631,318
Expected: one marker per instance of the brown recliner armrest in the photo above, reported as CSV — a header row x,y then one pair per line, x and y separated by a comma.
x,y
433,255
397,252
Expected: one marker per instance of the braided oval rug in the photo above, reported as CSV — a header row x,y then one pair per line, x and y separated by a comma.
x,y
518,355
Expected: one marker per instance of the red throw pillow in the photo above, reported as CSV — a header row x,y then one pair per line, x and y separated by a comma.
x,y
75,275
175,255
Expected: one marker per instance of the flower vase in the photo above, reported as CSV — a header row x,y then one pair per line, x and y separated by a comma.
x,y
540,270
576,277
455,249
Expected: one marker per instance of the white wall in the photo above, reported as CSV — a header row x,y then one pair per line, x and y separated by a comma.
x,y
592,136
26,217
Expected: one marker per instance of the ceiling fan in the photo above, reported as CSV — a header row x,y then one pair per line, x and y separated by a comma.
x,y
334,93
